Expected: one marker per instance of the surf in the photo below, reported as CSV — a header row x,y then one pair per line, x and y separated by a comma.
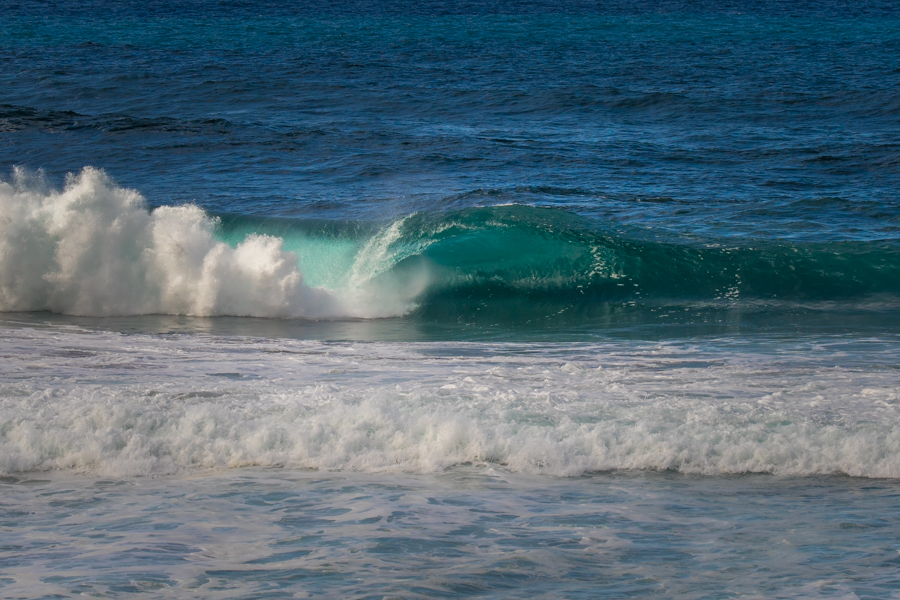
x,y
97,249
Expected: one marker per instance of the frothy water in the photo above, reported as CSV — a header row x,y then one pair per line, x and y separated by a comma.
x,y
125,405
95,249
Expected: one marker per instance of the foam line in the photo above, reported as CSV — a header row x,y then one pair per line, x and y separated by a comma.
x,y
126,405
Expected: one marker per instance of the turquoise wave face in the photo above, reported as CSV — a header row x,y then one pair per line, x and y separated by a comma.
x,y
522,259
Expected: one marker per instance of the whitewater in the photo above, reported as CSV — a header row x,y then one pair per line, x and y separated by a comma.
x,y
95,249
115,405
167,456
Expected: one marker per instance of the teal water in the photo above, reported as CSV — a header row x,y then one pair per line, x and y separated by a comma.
x,y
497,254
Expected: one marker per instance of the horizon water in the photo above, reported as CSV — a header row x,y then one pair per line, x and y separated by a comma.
x,y
466,299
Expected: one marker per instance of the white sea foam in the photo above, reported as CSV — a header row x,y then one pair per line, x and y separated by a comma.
x,y
94,249
140,405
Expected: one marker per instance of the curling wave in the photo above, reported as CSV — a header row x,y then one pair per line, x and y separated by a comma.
x,y
95,249
504,251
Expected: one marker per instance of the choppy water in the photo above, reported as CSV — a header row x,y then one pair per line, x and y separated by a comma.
x,y
472,299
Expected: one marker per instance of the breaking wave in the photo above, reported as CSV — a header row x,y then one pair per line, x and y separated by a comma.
x,y
96,249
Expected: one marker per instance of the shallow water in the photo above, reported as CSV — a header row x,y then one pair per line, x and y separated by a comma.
x,y
127,404
468,532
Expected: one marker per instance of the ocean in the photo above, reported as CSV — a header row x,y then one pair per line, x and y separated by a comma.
x,y
470,298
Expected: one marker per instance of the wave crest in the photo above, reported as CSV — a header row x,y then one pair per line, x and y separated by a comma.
x,y
94,249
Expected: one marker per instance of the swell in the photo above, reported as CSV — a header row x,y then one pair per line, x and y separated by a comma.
x,y
19,118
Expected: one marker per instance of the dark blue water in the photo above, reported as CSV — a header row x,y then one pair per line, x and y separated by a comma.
x,y
751,119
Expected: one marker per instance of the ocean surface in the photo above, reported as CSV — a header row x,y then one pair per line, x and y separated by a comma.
x,y
450,299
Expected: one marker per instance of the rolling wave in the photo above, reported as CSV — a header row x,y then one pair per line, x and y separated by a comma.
x,y
523,250
95,249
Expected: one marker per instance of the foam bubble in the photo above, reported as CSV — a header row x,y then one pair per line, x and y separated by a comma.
x,y
94,249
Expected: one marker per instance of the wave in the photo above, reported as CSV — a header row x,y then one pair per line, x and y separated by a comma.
x,y
95,249
515,262
100,432
522,250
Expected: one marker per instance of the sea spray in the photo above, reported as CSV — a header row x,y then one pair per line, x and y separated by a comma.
x,y
95,249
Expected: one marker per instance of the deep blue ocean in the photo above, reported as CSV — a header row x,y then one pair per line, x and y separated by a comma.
x,y
496,299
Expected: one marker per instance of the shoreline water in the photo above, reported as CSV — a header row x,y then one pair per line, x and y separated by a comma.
x,y
138,403
278,533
